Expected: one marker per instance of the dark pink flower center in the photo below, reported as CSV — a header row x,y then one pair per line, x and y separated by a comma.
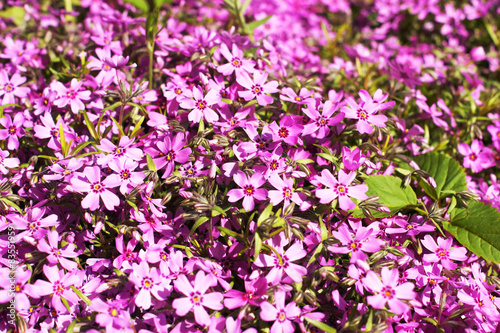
x,y
97,187
442,253
473,157
196,298
9,88
170,156
388,292
283,262
58,288
281,316
236,62
201,104
321,121
283,132
362,114
274,165
12,130
354,246
147,283
287,193
257,89
71,94
342,190
125,174
119,151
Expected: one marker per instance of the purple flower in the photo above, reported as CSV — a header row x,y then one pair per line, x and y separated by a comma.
x,y
196,297
363,241
281,314
20,290
257,88
13,130
475,158
125,174
171,151
288,131
255,289
284,191
56,254
72,96
7,162
441,252
365,114
96,188
388,291
352,159
124,149
291,96
236,63
321,122
200,105
111,314
340,189
249,189
149,282
10,87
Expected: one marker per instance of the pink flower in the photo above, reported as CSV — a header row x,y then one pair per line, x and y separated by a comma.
x,y
72,96
284,264
249,189
96,189
291,96
352,159
236,63
171,151
124,149
257,88
280,314
340,189
111,314
7,163
284,191
475,157
321,122
13,130
56,254
196,298
200,105
20,290
441,252
388,291
10,87
51,130
363,241
255,289
288,131
365,114
125,174
149,283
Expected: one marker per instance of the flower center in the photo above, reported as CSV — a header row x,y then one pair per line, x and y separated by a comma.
x,y
321,121
281,316
202,105
473,157
249,190
283,132
125,174
236,62
114,312
178,91
196,298
97,187
298,99
12,130
287,193
147,283
342,190
442,253
274,165
257,89
388,292
9,87
170,155
362,114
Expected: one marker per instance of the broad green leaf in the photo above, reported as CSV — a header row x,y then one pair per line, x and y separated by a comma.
x,y
265,214
447,173
142,5
322,326
15,13
391,194
477,228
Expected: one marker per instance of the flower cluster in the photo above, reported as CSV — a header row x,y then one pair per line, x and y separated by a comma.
x,y
233,166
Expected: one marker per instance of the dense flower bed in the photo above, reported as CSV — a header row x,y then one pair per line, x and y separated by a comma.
x,y
227,166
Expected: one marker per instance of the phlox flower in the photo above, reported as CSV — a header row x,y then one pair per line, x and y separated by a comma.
x,y
56,254
254,290
171,151
196,297
257,88
321,122
378,98
51,130
441,252
90,181
475,157
20,291
287,131
388,291
125,174
127,253
200,105
282,315
249,189
364,240
149,282
284,191
236,63
365,113
288,94
34,222
111,314
44,103
13,130
9,87
124,149
352,159
340,189
7,162
284,264
72,96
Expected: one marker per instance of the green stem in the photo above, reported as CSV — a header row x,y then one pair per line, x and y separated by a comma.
x,y
150,71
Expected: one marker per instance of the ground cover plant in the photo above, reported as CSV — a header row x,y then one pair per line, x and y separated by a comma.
x,y
259,166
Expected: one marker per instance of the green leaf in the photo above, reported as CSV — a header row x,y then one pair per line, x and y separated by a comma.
x,y
77,149
15,13
151,163
305,161
391,194
142,5
316,254
152,26
255,24
257,245
327,157
448,174
66,304
71,327
477,228
216,210
265,214
322,326
198,222
81,295
90,126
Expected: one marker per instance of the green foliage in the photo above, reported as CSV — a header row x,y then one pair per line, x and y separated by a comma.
x,y
448,174
477,228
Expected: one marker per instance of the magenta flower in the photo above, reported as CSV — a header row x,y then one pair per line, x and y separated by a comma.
x,y
96,189
56,254
378,98
475,158
441,252
149,283
255,289
281,314
249,189
388,291
236,63
51,130
13,130
10,87
288,131
196,298
111,314
321,122
352,159
288,94
125,174
365,114
20,290
340,189
171,151
284,191
124,149
357,244
257,88
72,96
284,264
127,253
200,105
